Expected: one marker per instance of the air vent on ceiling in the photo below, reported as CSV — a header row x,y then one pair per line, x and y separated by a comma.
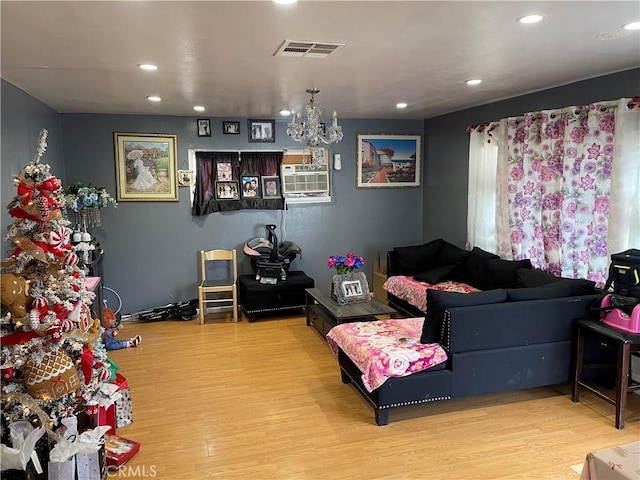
x,y
295,48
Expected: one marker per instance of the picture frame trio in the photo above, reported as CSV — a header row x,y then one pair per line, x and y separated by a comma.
x,y
146,165
259,131
249,186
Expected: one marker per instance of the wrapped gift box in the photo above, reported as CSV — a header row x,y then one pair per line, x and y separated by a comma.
x,y
119,450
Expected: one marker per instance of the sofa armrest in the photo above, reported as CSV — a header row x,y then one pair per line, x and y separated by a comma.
x,y
392,264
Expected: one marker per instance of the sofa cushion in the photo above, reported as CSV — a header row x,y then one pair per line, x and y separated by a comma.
x,y
538,278
534,278
502,273
552,290
438,301
436,274
414,259
474,271
579,286
451,255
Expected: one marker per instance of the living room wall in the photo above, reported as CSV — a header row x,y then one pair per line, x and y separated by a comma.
x,y
151,247
22,119
447,145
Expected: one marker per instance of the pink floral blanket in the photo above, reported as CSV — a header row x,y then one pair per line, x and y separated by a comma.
x,y
415,292
385,348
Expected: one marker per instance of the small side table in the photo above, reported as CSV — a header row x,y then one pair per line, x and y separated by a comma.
x,y
627,343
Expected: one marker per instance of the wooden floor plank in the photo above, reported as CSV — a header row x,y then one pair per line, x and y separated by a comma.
x,y
264,400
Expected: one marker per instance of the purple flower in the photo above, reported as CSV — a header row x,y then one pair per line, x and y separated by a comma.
x,y
599,247
607,123
594,151
552,201
602,204
587,183
578,134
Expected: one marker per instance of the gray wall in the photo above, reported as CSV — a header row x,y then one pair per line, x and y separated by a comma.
x,y
151,247
447,146
22,119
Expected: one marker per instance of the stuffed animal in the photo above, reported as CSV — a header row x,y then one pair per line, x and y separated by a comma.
x,y
111,324
14,294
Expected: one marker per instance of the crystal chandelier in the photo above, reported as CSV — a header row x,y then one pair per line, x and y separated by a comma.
x,y
312,130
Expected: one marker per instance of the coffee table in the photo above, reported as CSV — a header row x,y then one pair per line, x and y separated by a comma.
x,y
324,313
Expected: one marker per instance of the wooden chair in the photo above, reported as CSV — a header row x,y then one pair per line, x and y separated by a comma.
x,y
219,287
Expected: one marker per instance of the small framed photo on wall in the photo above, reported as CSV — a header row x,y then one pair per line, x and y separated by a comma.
x,y
270,186
262,131
227,191
250,187
204,127
231,128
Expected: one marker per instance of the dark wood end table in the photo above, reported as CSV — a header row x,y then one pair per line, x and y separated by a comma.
x,y
626,343
324,313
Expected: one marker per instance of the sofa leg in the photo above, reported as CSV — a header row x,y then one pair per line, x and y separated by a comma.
x,y
344,376
382,416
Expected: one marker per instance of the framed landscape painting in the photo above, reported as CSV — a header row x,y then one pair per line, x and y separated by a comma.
x,y
388,161
146,167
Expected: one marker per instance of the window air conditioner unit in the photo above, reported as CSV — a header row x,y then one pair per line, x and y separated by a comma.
x,y
302,179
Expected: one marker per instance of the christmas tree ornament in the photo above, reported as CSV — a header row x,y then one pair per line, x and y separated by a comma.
x,y
54,377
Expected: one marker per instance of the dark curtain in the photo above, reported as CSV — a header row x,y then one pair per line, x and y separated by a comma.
x,y
213,182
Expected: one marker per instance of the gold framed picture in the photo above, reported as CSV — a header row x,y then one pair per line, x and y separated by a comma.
x,y
146,167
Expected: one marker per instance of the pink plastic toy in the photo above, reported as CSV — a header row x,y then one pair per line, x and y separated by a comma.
x,y
617,318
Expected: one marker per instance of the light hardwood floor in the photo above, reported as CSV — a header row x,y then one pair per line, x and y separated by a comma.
x,y
264,400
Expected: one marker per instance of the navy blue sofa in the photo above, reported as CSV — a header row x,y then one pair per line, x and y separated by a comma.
x,y
497,340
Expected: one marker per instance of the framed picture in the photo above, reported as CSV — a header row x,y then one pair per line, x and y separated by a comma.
x,y
250,187
227,191
271,186
204,127
262,130
223,171
146,167
231,128
185,178
388,161
351,288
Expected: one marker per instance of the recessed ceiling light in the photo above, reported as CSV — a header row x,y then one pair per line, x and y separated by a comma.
x,y
285,2
632,26
401,105
154,98
474,81
531,18
148,66
285,113
199,108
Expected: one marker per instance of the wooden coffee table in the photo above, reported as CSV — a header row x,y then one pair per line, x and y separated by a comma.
x,y
324,313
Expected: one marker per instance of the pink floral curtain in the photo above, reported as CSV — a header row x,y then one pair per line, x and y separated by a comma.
x,y
559,170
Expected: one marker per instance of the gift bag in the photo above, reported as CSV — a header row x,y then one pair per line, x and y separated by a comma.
x,y
24,456
124,410
107,416
124,407
91,466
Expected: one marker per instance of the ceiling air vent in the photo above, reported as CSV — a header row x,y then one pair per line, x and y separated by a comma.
x,y
295,48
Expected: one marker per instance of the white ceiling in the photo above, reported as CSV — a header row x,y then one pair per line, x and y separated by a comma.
x,y
82,56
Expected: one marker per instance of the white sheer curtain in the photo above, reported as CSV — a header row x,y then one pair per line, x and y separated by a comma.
x,y
481,219
496,186
624,202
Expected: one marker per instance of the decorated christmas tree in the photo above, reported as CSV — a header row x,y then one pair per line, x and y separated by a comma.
x,y
54,363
